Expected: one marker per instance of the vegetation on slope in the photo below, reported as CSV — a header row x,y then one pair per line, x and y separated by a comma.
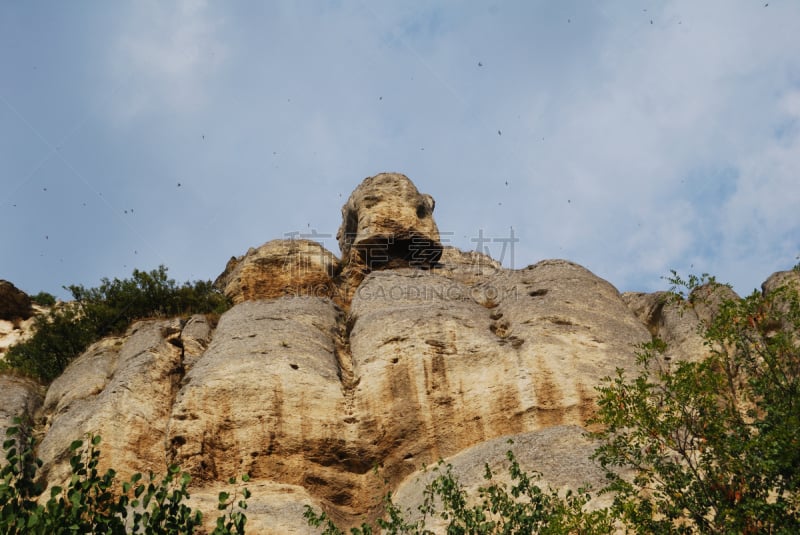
x,y
92,502
67,330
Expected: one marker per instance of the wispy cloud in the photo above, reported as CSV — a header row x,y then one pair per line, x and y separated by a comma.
x,y
165,54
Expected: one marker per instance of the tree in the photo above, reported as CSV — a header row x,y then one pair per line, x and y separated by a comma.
x,y
714,444
92,502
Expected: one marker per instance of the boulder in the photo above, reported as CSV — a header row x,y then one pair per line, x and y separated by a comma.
x,y
14,303
560,455
20,397
386,221
279,268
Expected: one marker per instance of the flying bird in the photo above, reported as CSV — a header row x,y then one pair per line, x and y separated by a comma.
x,y
480,64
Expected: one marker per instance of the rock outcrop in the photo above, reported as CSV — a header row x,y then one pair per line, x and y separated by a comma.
x,y
280,268
14,303
19,397
402,353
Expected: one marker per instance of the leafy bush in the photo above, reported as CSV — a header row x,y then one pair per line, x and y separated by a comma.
x,y
522,508
59,337
714,444
97,503
112,306
67,331
44,299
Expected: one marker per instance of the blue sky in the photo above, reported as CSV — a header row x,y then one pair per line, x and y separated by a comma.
x,y
630,137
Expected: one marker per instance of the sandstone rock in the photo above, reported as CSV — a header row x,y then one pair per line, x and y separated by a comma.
x,y
14,332
387,220
278,268
19,397
273,508
266,399
121,389
467,267
781,278
679,324
560,454
14,303
441,366
195,337
404,353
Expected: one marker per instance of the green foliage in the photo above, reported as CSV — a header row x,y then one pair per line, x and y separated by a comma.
x,y
714,444
58,338
522,508
111,307
96,503
44,299
67,331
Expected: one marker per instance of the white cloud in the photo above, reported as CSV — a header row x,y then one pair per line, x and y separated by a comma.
x,y
164,55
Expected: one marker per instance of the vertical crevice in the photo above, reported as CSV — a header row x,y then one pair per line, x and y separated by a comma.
x,y
344,361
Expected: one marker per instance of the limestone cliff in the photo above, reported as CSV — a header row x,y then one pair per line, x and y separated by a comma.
x,y
399,353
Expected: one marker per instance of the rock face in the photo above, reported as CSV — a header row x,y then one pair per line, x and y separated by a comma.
x,y
18,397
679,324
403,353
14,303
561,454
386,219
279,268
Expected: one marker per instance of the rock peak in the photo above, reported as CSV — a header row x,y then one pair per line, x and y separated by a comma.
x,y
388,222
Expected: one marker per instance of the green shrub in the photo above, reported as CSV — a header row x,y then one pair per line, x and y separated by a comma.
x,y
67,331
59,337
97,503
522,508
714,444
112,306
44,299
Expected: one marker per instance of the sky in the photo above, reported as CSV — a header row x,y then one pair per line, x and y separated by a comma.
x,y
630,137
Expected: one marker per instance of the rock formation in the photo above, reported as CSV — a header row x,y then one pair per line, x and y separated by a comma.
x,y
401,353
17,316
14,303
280,268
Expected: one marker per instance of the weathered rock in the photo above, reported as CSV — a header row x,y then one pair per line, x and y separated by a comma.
x,y
14,332
266,399
387,221
121,389
467,267
404,353
279,268
14,303
441,366
19,397
679,324
561,454
272,509
195,337
782,278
